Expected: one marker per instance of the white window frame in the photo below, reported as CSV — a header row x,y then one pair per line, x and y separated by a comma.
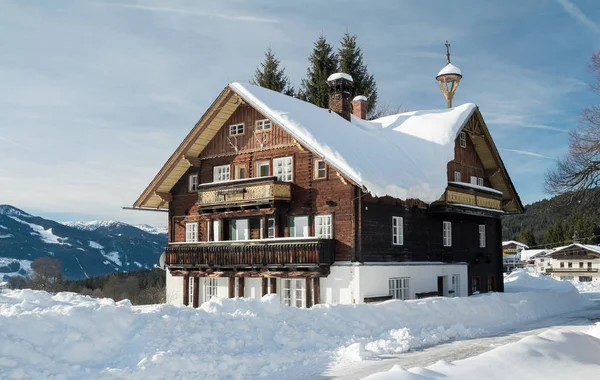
x,y
263,125
456,176
237,129
284,176
211,288
216,230
482,236
237,169
191,232
292,225
221,173
473,180
397,230
235,227
258,166
324,169
447,234
192,182
270,228
293,292
191,291
479,181
324,226
399,288
462,137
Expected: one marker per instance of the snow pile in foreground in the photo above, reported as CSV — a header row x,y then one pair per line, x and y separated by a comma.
x,y
553,354
522,280
80,337
587,286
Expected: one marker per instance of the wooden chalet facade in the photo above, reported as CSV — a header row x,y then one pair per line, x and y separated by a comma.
x,y
254,208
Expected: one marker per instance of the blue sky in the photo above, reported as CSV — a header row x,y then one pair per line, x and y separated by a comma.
x,y
95,95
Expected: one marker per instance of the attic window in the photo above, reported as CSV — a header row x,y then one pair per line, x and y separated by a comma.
x,y
320,169
479,181
263,125
193,182
456,176
236,129
463,139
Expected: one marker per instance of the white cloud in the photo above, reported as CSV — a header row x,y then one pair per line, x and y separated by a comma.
x,y
527,153
578,15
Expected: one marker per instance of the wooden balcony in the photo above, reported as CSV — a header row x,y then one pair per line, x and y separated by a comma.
x,y
281,252
571,270
475,199
243,193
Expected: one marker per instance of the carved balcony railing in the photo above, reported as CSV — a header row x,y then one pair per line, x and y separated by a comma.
x,y
250,191
571,270
281,252
458,196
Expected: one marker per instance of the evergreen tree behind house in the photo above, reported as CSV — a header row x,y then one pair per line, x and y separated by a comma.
x,y
270,75
323,62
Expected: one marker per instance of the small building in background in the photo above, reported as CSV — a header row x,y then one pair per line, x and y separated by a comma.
x,y
579,262
511,254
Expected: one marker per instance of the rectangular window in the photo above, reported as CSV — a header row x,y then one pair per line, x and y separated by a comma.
x,y
323,226
271,228
447,234
463,139
240,171
479,181
491,285
455,288
191,232
263,125
541,260
239,229
293,292
236,129
299,226
482,236
397,230
262,169
216,230
580,265
474,284
192,182
399,288
473,180
589,264
282,169
562,265
221,173
210,288
191,291
570,265
320,169
456,176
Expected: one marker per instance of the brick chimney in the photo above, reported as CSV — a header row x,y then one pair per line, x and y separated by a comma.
x,y
340,88
359,106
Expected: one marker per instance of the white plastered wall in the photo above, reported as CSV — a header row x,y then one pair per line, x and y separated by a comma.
x,y
174,289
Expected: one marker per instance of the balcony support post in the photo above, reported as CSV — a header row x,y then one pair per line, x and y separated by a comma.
x,y
264,286
241,287
316,289
231,287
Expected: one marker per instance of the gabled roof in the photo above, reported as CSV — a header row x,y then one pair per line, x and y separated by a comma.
x,y
403,156
528,254
588,247
509,242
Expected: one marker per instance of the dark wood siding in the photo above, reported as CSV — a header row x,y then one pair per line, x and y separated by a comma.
x,y
467,162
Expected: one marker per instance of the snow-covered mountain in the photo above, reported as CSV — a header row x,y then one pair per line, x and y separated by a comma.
x,y
84,248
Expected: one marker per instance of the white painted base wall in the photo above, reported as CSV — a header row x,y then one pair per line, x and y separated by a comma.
x,y
348,283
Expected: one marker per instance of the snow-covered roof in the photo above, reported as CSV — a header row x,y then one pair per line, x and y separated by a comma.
x,y
339,76
476,187
450,69
528,254
403,156
360,97
588,247
509,242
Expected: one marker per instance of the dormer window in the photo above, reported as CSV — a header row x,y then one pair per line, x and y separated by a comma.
x,y
236,129
263,125
462,137
192,182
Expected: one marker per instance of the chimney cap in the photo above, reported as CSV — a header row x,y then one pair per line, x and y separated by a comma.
x,y
360,98
337,76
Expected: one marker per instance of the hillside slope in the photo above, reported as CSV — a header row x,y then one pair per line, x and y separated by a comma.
x,y
85,249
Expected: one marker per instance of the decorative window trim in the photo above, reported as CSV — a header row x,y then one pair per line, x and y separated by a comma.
x,y
456,176
462,138
216,174
324,222
262,163
191,232
399,288
447,234
397,230
238,129
316,170
263,125
192,184
284,175
482,240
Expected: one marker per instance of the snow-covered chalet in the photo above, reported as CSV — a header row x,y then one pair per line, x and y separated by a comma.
x,y
271,194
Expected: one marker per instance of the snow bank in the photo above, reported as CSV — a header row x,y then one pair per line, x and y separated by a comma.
x,y
554,354
80,337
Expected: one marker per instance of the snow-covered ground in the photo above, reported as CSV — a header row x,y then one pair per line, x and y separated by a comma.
x,y
72,336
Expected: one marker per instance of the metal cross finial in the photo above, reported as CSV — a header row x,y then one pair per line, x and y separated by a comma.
x,y
447,52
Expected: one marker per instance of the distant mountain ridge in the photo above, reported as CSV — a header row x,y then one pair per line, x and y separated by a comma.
x,y
85,248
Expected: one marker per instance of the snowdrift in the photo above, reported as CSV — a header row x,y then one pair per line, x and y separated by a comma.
x,y
550,355
44,335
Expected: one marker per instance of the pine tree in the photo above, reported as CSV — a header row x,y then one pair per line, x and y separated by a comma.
x,y
270,76
322,63
526,237
351,62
